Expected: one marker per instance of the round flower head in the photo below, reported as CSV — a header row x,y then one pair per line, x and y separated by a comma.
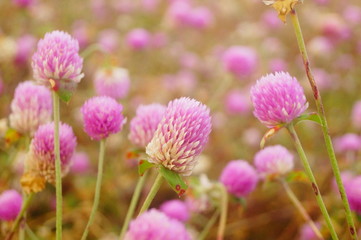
x,y
278,98
239,177
356,114
25,47
30,108
155,225
113,82
145,123
57,58
42,157
274,160
236,103
181,136
80,163
353,191
102,116
10,202
138,39
175,209
307,233
348,142
240,61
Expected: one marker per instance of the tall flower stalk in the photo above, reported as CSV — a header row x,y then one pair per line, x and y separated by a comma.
x,y
324,126
153,191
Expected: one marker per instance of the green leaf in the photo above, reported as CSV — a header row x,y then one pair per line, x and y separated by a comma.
x,y
64,88
297,176
143,166
314,117
174,180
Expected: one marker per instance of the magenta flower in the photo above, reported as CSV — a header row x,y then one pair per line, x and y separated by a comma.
x,y
138,39
278,99
25,47
155,225
353,191
10,205
108,40
356,114
145,123
240,61
239,178
57,58
348,142
30,108
274,160
113,82
181,136
175,209
23,3
80,163
236,103
102,116
200,18
42,157
307,233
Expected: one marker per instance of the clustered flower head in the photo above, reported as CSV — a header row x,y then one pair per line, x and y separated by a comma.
x,y
278,99
176,209
353,191
102,116
181,136
145,123
154,225
240,61
274,160
30,108
10,202
41,158
57,58
348,142
113,82
239,178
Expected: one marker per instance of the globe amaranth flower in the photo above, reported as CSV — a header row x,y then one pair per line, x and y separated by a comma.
x,y
348,142
236,103
138,39
240,61
353,191
80,163
102,116
181,136
113,82
176,209
41,157
239,178
278,99
307,233
154,225
274,160
30,108
145,123
356,114
10,205
57,58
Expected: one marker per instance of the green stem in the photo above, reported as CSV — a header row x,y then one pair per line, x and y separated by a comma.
x,y
209,225
30,233
24,207
301,209
97,188
325,130
58,185
312,179
153,191
224,210
133,204
90,50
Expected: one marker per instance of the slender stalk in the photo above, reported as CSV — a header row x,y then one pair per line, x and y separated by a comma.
x,y
224,210
58,185
30,233
312,179
153,191
301,209
133,204
209,225
325,130
24,207
97,188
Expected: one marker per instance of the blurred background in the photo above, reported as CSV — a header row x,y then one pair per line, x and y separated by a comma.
x,y
174,48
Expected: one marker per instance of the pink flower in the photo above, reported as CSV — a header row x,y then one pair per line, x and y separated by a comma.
x,y
80,163
102,116
307,233
113,82
348,142
175,209
41,155
240,61
353,191
108,40
23,3
57,58
181,135
138,39
155,225
239,178
278,99
30,108
25,47
274,160
237,103
145,123
356,114
10,205
200,18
